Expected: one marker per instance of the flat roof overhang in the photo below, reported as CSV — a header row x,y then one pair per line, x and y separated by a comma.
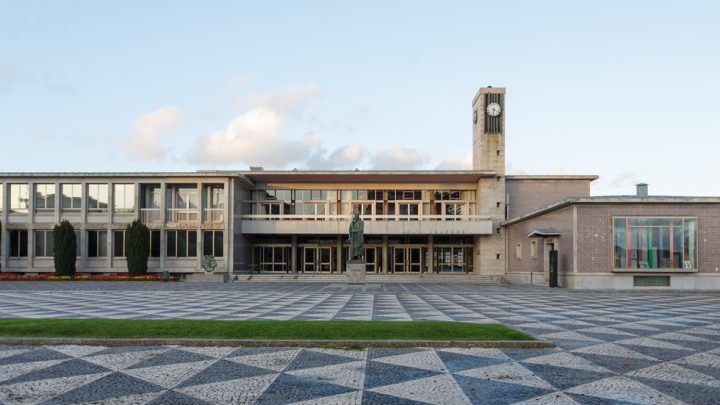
x,y
369,176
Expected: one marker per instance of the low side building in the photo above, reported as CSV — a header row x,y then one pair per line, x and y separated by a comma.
x,y
619,242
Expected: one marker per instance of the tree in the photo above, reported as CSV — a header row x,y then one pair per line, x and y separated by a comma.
x,y
65,247
137,247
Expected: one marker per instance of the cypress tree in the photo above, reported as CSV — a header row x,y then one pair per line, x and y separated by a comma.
x,y
65,248
137,247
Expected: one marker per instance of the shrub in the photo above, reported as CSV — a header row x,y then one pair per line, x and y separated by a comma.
x,y
65,248
137,247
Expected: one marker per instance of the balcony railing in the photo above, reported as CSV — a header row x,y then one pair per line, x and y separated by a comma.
x,y
182,215
397,217
151,215
213,215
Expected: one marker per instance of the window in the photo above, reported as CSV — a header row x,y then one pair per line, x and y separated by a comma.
x,y
655,243
181,243
19,198
123,197
44,197
97,243
18,243
533,249
154,243
119,243
213,243
518,251
44,244
71,196
2,199
97,197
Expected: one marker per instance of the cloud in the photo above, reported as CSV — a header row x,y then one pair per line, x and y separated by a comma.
x,y
398,158
253,138
284,100
344,157
149,128
456,162
10,76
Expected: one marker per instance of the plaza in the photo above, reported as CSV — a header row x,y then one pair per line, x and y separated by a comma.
x,y
649,347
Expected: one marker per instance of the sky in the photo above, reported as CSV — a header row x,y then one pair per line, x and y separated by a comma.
x,y
626,90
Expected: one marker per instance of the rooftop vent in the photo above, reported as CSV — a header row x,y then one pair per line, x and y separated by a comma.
x,y
642,190
256,168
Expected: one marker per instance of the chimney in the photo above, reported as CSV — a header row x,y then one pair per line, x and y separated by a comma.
x,y
642,190
256,168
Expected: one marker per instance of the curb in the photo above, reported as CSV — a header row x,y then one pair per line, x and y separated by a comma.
x,y
500,344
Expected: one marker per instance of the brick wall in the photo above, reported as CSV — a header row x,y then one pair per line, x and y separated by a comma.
x,y
527,195
561,220
595,241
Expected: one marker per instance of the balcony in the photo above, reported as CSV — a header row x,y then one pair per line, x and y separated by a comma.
x,y
151,215
182,215
374,224
213,215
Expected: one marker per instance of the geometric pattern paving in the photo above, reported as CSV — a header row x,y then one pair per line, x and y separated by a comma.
x,y
613,347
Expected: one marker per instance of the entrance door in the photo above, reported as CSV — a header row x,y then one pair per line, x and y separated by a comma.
x,y
414,259
317,259
407,259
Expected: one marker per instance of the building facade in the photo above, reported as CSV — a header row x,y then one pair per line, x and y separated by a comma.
x,y
469,222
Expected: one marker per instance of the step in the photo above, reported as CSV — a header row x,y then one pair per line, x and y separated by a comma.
x,y
372,278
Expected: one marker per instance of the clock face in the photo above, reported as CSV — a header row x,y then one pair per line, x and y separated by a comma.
x,y
493,109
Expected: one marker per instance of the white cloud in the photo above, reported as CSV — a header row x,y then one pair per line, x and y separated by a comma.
x,y
10,76
456,162
344,157
285,99
149,128
253,138
398,158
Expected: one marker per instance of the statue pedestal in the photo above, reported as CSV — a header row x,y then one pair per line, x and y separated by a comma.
x,y
355,273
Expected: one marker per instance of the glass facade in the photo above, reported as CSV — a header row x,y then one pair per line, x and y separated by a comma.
x,y
97,197
123,197
44,197
44,244
19,198
71,196
97,243
655,243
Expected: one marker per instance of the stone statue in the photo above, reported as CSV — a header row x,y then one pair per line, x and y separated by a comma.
x,y
357,238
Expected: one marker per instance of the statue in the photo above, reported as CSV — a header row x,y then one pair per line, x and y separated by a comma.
x,y
357,238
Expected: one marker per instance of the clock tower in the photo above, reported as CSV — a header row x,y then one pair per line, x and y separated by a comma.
x,y
489,130
488,112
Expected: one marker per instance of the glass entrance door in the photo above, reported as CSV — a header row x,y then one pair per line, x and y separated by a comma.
x,y
407,259
317,259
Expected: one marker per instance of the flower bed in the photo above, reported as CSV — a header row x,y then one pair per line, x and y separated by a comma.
x,y
83,277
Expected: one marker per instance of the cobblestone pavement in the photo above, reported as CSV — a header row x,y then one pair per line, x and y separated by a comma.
x,y
613,347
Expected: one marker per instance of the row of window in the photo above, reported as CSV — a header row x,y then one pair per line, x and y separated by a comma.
x,y
70,196
178,243
533,250
362,195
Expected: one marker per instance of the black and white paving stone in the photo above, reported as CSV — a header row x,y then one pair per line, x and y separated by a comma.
x,y
613,347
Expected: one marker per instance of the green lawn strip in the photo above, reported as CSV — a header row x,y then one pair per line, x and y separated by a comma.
x,y
257,329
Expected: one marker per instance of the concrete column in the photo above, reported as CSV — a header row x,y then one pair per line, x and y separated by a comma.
x,y
31,225
385,254
199,225
111,219
163,247
338,254
293,252
4,236
430,260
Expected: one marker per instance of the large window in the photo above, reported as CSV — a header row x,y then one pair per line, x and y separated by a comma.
x,y
655,243
154,243
2,198
97,243
71,196
119,243
181,243
19,198
18,243
44,244
44,197
97,197
213,243
124,197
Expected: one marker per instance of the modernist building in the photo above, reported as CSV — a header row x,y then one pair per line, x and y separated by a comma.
x,y
470,223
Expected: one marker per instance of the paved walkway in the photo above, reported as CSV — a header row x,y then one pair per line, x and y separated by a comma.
x,y
613,347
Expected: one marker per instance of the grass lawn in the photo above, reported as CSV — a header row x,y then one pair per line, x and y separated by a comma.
x,y
258,329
